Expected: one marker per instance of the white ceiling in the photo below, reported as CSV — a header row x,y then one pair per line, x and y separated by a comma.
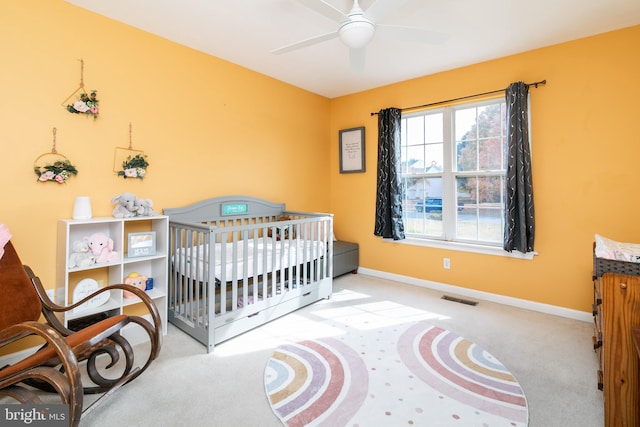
x,y
245,32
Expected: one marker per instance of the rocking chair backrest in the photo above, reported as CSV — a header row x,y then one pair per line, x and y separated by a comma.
x,y
19,301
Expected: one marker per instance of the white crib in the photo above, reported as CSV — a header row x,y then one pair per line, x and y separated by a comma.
x,y
238,262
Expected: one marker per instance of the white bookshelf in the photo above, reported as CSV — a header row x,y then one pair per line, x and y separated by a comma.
x,y
118,229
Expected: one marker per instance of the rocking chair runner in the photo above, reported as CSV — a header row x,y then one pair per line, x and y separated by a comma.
x,y
55,367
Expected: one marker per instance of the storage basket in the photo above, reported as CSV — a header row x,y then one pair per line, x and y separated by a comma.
x,y
603,265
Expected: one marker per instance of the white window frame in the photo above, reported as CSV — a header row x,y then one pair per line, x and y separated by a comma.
x,y
449,175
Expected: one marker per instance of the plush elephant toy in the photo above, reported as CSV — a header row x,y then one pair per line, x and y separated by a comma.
x,y
144,207
101,247
125,205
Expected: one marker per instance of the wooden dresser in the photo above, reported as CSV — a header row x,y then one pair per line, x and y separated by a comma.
x,y
616,311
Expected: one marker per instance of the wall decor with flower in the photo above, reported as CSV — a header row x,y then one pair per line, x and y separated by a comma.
x,y
53,166
130,163
85,103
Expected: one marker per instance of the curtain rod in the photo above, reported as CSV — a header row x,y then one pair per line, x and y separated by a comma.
x,y
534,84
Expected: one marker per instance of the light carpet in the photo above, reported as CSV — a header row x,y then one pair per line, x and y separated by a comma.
x,y
407,374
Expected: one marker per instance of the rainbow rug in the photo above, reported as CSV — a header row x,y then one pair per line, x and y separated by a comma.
x,y
403,375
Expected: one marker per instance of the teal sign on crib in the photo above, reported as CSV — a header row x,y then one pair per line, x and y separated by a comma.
x,y
235,208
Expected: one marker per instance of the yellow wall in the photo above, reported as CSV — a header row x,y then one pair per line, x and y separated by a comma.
x,y
212,128
586,148
209,128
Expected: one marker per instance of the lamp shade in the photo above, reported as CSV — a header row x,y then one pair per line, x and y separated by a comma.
x,y
357,32
82,208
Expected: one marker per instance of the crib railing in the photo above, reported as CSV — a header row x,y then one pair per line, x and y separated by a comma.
x,y
229,268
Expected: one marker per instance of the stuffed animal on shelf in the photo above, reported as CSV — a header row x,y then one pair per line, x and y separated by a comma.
x,y
125,205
101,247
136,280
143,207
80,255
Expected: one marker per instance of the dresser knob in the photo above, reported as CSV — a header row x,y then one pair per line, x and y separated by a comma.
x,y
623,285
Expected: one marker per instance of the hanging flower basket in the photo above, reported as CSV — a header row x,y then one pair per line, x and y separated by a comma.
x,y
134,167
53,166
59,171
86,104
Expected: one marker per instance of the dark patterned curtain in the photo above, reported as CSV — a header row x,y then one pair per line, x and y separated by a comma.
x,y
519,230
389,188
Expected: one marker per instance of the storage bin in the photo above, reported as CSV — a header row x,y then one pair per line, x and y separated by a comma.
x,y
345,258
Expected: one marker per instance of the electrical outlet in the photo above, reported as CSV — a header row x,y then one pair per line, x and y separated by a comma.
x,y
51,294
446,263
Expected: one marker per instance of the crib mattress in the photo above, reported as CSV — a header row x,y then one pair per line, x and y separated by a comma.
x,y
245,259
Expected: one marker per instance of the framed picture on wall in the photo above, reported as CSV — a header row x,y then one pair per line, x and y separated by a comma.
x,y
142,244
352,150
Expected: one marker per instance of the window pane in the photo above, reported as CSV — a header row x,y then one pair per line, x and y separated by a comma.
x,y
481,218
490,225
434,158
490,191
490,154
465,137
466,226
416,190
435,130
467,155
489,121
423,206
465,124
414,159
415,130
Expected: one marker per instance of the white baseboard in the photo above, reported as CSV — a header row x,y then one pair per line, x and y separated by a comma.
x,y
486,296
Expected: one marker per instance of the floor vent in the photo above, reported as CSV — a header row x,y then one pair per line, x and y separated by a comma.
x,y
460,300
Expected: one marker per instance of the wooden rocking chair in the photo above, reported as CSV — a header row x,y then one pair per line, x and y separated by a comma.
x,y
55,365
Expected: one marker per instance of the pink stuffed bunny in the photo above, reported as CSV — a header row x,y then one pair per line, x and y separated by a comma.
x,y
101,246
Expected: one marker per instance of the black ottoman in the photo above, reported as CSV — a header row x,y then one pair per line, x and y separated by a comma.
x,y
345,258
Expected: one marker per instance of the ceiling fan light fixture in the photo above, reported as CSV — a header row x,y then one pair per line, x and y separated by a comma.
x,y
357,32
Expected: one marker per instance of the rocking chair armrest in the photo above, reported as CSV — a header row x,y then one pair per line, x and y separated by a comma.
x,y
122,286
22,330
142,295
147,301
50,306
56,346
59,308
46,302
62,308
9,335
156,321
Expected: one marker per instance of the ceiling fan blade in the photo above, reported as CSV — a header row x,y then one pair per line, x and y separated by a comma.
x,y
411,34
357,59
304,43
381,8
324,9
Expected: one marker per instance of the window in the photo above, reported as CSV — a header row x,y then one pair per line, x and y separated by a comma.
x,y
453,162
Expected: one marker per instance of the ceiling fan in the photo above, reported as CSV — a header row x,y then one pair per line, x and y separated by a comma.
x,y
357,27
